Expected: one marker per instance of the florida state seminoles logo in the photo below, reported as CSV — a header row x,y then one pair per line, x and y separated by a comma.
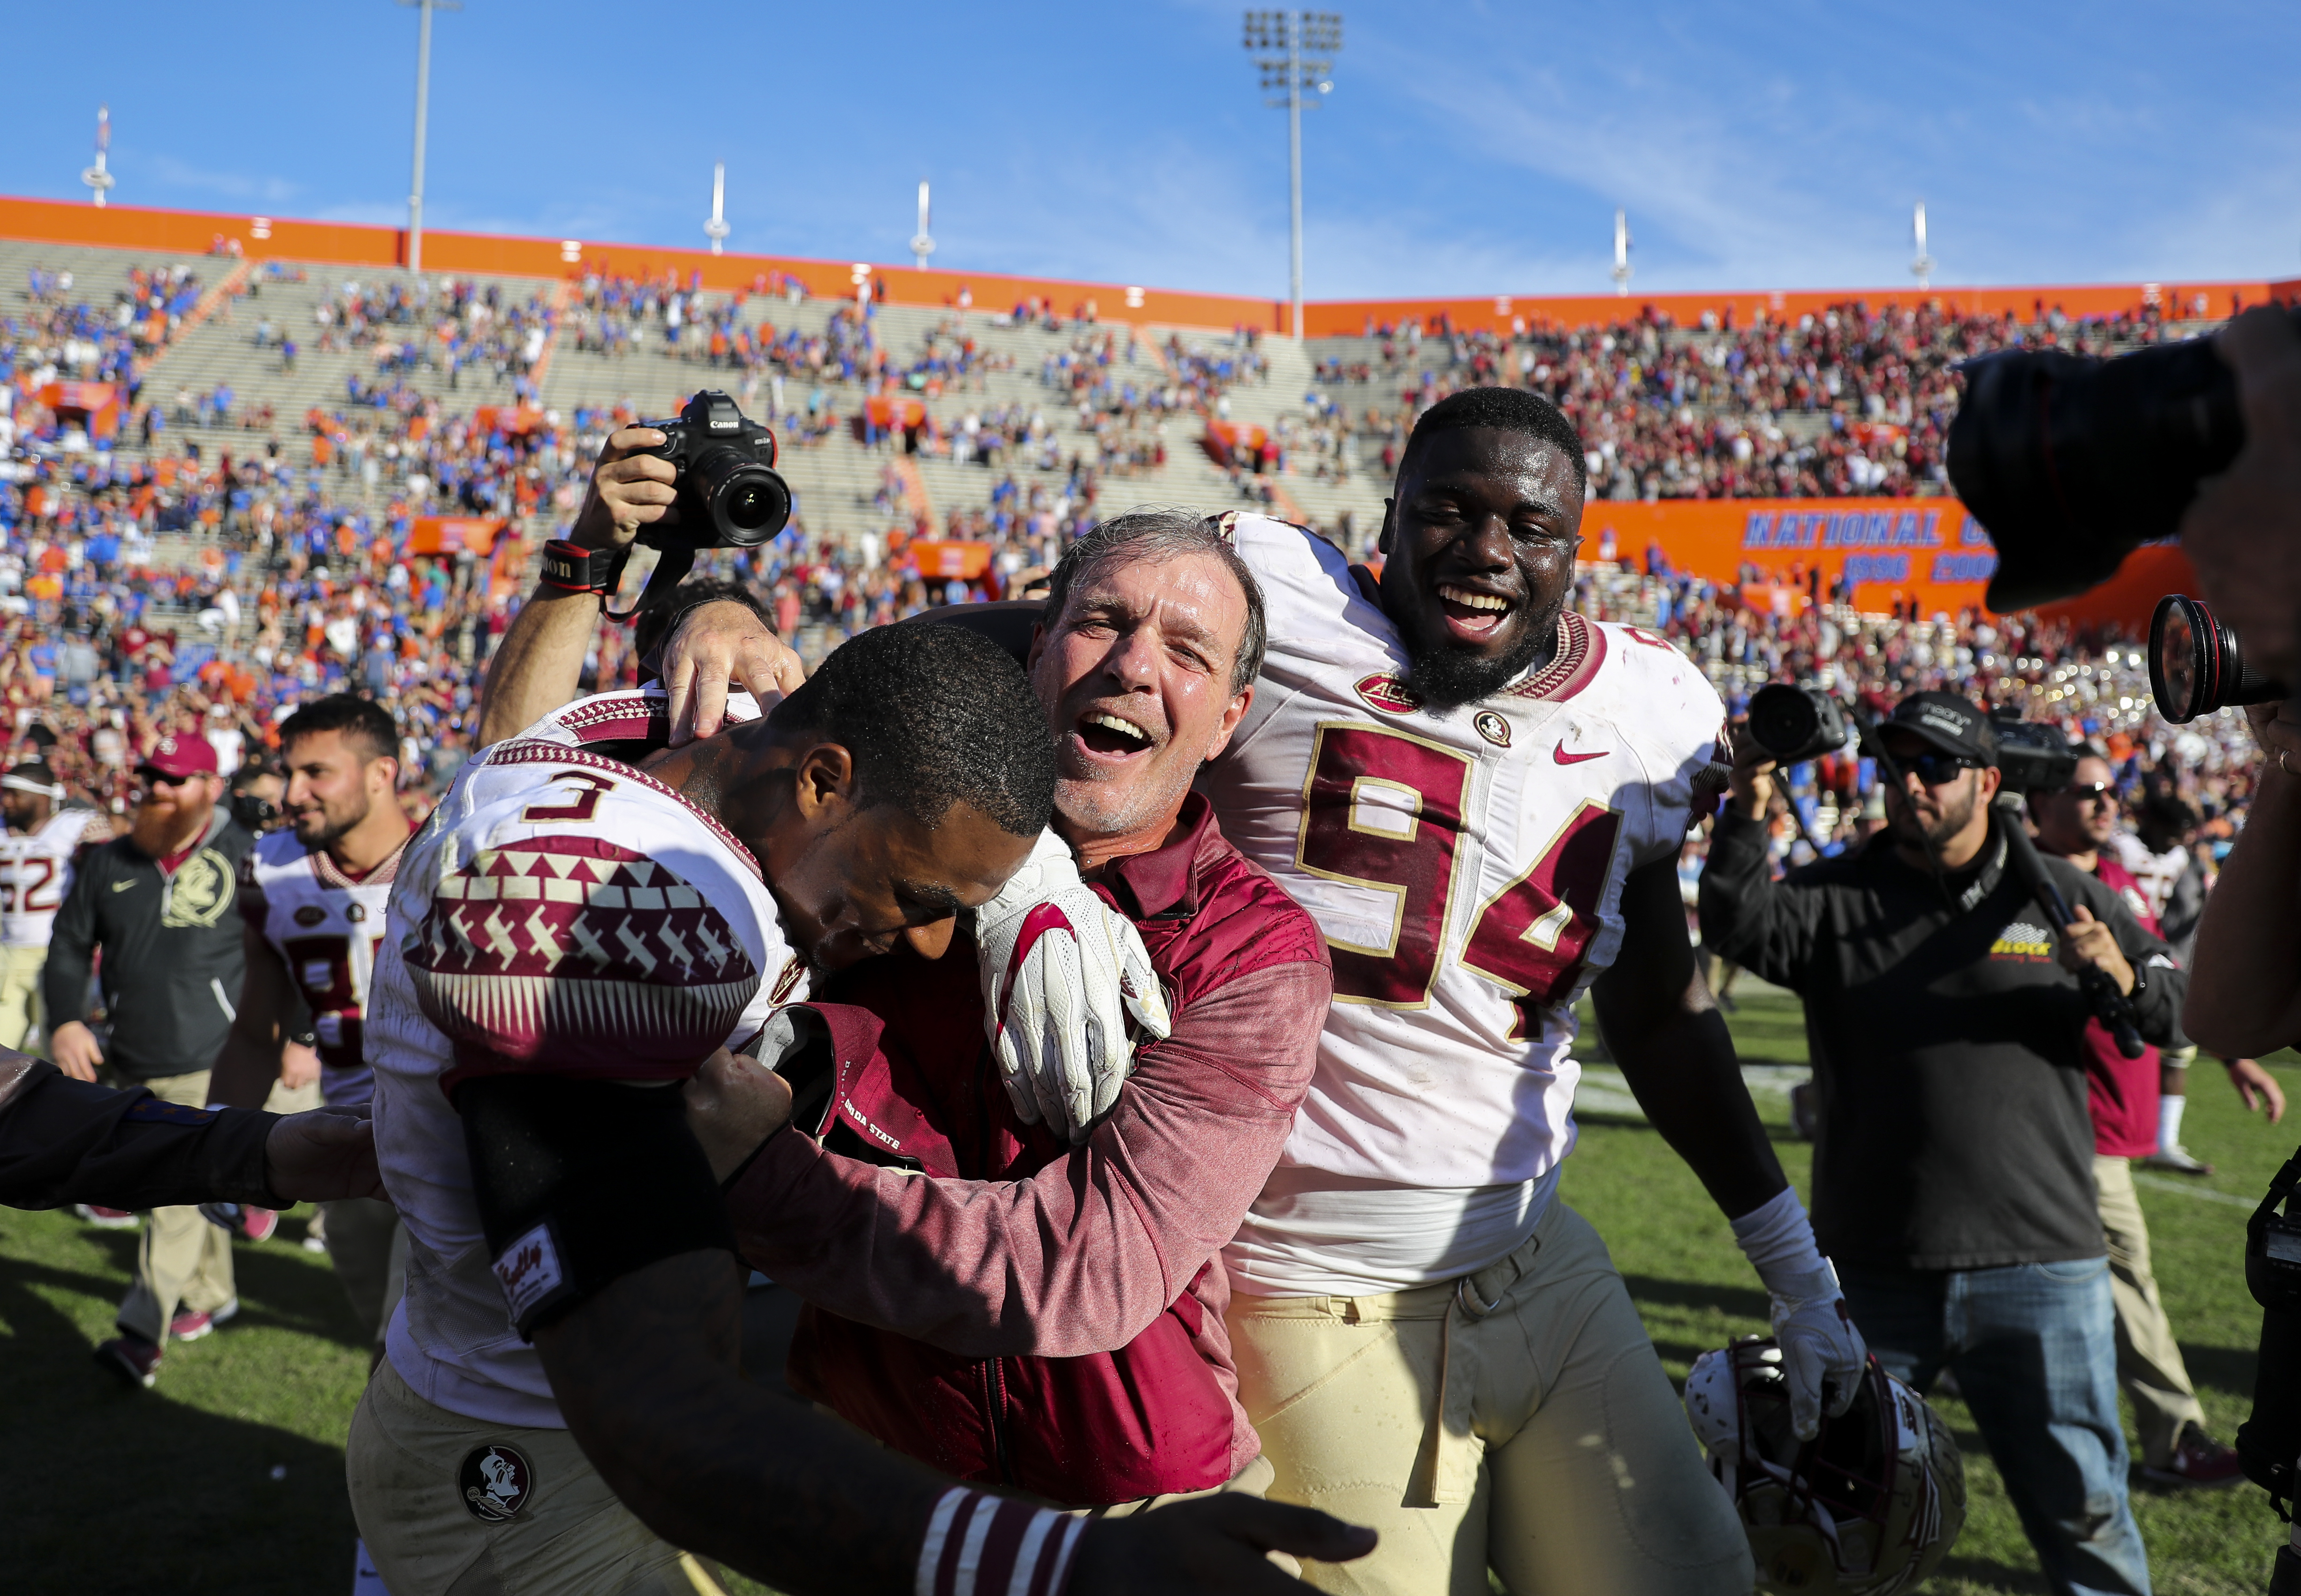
x,y
1388,694
495,1482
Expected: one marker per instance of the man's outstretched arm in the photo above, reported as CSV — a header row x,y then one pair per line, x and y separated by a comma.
x,y
1665,1030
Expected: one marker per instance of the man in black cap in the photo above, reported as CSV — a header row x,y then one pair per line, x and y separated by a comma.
x,y
1953,1165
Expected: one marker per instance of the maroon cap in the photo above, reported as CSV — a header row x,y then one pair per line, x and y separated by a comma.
x,y
188,755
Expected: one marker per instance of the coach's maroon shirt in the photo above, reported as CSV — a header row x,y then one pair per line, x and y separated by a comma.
x,y
1003,1305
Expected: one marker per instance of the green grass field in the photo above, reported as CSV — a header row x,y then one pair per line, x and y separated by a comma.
x,y
228,1476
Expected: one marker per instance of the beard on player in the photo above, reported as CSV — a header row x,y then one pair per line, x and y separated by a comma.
x,y
1447,675
321,822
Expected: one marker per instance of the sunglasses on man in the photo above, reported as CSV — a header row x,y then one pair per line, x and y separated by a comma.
x,y
1936,770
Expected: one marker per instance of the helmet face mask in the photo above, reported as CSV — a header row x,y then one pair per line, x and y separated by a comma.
x,y
1868,1508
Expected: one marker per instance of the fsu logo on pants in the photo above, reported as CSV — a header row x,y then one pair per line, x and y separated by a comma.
x,y
495,1482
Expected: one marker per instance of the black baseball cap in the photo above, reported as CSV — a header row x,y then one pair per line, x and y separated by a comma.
x,y
1953,724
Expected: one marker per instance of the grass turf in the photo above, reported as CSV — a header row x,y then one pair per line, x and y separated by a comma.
x,y
228,1476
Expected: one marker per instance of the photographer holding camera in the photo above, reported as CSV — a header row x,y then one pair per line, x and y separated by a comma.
x,y
635,499
1953,1171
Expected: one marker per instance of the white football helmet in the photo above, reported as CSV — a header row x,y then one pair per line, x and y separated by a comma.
x,y
1867,1507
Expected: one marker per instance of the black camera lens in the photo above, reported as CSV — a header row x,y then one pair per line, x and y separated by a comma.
x,y
1795,724
748,503
2196,665
2071,463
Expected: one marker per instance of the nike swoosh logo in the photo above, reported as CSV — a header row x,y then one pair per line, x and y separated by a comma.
x,y
1564,757
122,886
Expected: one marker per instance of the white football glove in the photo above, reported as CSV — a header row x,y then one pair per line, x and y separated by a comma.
x,y
1061,971
1819,1346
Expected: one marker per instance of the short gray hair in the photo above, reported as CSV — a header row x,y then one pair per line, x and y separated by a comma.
x,y
1159,532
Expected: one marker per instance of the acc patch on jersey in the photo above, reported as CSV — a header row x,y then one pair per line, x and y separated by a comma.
x,y
495,1482
1387,693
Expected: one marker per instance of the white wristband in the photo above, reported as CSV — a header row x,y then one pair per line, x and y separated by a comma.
x,y
982,1545
1777,1238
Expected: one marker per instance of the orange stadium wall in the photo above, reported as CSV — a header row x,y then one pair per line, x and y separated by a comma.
x,y
1895,549
196,232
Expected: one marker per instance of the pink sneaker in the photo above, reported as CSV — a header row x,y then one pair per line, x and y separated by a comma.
x,y
190,1324
106,1218
258,1224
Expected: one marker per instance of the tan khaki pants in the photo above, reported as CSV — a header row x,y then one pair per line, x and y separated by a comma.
x,y
181,1259
1518,1419
368,1247
19,994
2149,1364
568,1535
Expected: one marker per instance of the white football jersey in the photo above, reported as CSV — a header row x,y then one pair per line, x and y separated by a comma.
x,y
560,912
1466,868
325,927
36,873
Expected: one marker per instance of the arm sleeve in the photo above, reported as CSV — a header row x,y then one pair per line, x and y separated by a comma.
x,y
2165,985
64,1141
72,950
1766,927
1084,1254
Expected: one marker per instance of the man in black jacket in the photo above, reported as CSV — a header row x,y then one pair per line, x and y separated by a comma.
x,y
1953,1169
158,901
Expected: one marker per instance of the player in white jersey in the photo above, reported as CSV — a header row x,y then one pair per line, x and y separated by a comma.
x,y
1480,796
313,898
35,863
571,932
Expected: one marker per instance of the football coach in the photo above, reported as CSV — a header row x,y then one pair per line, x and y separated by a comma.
x,y
1953,1165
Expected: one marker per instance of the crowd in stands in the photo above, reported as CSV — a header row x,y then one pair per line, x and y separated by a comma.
x,y
1867,394
291,566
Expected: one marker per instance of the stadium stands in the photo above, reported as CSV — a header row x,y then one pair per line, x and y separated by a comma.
x,y
253,536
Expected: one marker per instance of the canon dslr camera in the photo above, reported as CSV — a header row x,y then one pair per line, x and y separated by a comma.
x,y
730,495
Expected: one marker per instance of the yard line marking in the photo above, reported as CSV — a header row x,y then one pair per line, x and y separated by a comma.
x,y
2158,1182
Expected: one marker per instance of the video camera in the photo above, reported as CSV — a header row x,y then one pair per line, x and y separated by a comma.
x,y
2031,757
2073,462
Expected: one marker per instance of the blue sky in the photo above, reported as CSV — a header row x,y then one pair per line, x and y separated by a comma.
x,y
1466,148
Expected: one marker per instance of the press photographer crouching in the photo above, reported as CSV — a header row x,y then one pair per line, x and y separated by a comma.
x,y
1954,1172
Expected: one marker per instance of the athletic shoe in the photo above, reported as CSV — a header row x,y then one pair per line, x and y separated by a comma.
x,y
191,1324
316,1232
2178,1160
241,1219
2199,1460
131,1358
106,1218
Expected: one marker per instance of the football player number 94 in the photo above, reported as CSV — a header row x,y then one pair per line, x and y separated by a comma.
x,y
1529,939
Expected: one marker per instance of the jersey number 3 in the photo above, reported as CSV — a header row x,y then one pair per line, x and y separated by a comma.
x,y
1383,810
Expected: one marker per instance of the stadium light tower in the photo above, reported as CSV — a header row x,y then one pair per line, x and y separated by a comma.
x,y
922,241
423,111
715,229
1295,50
96,177
1622,268
1921,266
